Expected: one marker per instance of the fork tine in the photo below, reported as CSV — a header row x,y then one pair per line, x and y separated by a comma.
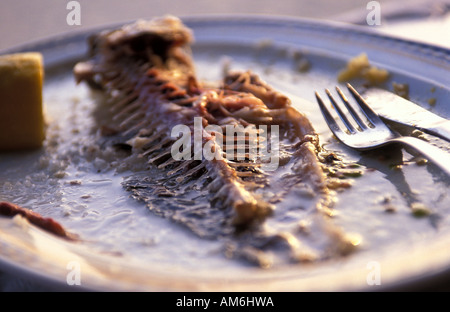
x,y
340,112
332,124
370,114
350,108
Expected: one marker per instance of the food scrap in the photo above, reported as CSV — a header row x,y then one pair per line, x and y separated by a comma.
x,y
360,67
401,89
47,224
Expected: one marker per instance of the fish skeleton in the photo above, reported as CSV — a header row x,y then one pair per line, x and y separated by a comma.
x,y
146,75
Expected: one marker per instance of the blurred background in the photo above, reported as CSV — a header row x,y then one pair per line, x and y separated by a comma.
x,y
24,20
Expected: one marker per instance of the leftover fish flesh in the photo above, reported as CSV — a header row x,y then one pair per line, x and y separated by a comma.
x,y
231,161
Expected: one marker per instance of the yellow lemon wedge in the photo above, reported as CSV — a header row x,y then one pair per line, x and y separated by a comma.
x,y
21,107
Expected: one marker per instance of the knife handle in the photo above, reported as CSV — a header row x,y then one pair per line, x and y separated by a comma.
x,y
441,130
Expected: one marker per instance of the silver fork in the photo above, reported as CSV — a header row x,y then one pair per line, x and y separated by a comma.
x,y
373,133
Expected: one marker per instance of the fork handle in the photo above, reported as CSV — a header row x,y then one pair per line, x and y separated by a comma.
x,y
433,153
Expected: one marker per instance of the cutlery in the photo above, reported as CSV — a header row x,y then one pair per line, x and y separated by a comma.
x,y
395,108
373,133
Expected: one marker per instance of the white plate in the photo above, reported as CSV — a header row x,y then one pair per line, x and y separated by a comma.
x,y
125,247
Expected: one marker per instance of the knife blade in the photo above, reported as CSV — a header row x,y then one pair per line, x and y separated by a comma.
x,y
397,109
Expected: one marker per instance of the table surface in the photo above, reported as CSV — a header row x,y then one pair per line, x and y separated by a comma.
x,y
22,21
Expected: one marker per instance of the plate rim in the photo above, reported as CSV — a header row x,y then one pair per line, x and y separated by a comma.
x,y
237,17
428,50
